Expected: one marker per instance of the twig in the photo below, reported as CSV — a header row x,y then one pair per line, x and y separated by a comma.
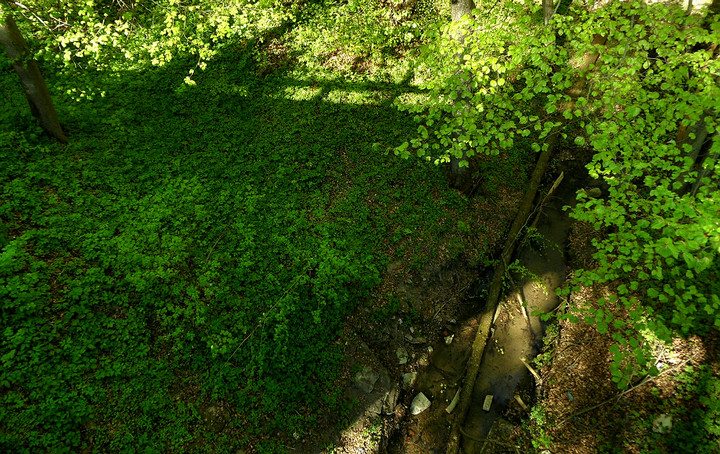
x,y
645,380
522,307
547,196
212,248
267,314
519,400
532,371
454,402
438,311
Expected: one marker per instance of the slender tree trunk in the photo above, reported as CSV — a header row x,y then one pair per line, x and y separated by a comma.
x,y
460,8
705,170
460,175
548,10
27,69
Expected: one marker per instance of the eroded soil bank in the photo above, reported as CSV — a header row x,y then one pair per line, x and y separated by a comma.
x,y
420,341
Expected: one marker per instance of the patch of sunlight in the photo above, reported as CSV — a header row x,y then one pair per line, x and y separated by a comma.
x,y
353,97
299,93
362,434
408,100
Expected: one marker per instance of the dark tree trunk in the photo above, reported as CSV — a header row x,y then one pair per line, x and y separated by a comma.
x,y
27,69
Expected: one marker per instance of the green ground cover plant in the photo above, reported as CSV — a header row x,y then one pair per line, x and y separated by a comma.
x,y
196,241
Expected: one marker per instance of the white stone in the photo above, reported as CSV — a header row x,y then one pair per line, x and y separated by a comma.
x,y
488,402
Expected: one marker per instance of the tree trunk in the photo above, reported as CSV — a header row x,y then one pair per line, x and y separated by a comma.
x,y
27,69
548,10
460,8
460,176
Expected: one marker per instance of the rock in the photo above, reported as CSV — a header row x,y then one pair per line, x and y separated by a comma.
x,y
419,404
383,399
409,379
424,360
402,355
365,379
662,424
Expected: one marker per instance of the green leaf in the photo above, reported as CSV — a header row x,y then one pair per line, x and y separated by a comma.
x,y
633,111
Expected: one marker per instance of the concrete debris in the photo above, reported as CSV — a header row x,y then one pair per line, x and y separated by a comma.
x,y
402,355
488,402
419,404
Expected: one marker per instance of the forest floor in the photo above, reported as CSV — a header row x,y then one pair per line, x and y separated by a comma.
x,y
579,408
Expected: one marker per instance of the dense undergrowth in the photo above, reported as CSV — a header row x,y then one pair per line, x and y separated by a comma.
x,y
197,243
